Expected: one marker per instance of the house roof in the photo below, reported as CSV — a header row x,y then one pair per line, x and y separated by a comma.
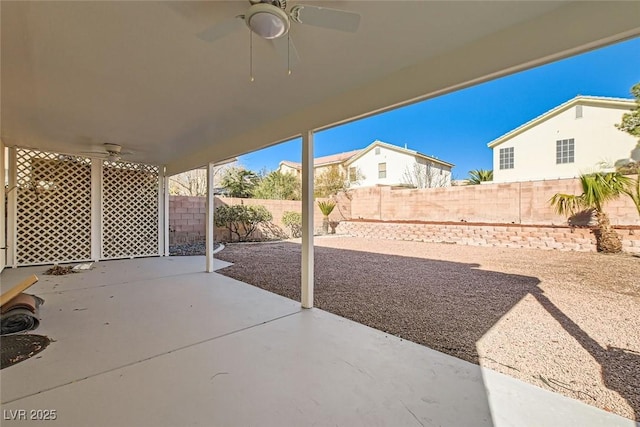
x,y
325,160
378,143
622,103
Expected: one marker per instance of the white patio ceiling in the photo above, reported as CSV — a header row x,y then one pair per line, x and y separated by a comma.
x,y
77,74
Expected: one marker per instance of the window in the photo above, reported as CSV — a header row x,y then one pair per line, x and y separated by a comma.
x,y
564,151
506,158
353,174
382,170
377,150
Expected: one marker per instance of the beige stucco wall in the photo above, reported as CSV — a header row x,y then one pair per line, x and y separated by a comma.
x,y
596,141
397,164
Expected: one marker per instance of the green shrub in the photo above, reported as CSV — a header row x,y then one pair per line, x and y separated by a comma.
x,y
241,220
293,220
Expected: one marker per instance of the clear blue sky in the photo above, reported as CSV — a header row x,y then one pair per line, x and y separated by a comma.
x,y
457,127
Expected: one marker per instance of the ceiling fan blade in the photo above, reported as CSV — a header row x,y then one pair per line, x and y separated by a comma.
x,y
280,46
334,19
221,29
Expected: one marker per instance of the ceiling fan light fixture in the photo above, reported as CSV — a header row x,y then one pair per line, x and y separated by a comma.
x,y
267,21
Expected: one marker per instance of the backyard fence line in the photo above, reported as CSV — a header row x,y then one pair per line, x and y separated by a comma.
x,y
525,203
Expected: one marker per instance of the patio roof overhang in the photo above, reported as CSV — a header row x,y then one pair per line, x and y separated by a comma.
x,y
78,74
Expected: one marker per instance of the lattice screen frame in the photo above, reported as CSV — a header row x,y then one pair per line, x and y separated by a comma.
x,y
158,246
51,212
131,220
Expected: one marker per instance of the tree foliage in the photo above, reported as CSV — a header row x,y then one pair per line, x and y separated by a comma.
x,y
334,180
631,124
241,220
194,182
597,189
239,182
478,176
631,121
278,185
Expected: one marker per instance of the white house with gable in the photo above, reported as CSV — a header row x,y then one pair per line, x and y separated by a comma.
x,y
381,163
576,137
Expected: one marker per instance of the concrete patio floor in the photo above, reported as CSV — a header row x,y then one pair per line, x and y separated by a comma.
x,y
158,342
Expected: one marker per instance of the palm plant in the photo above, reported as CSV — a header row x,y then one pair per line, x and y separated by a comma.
x,y
326,207
597,190
477,176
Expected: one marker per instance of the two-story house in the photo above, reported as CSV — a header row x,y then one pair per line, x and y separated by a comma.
x,y
573,138
381,163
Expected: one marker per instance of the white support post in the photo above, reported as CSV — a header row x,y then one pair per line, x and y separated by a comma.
x,y
209,226
165,208
307,220
12,217
3,240
96,210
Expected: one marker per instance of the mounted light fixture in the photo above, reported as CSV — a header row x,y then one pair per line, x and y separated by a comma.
x,y
267,21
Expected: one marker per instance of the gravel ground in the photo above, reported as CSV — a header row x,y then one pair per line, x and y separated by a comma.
x,y
565,321
189,249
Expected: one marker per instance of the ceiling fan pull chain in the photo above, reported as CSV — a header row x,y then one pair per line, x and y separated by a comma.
x,y
251,56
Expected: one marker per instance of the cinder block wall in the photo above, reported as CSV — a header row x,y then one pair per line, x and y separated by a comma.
x,y
517,203
560,238
187,217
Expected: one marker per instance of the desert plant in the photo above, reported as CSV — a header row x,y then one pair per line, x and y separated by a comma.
x,y
241,220
633,191
326,207
597,190
293,220
477,176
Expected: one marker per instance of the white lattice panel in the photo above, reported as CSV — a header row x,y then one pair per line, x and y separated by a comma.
x,y
53,207
130,210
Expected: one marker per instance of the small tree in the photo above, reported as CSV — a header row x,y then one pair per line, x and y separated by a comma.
x,y
239,182
326,207
478,176
631,124
194,182
631,121
333,181
293,220
278,185
425,175
241,220
597,190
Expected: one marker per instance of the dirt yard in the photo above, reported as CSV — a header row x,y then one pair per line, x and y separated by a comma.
x,y
564,321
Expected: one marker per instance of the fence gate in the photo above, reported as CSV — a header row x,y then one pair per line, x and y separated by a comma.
x,y
66,208
53,207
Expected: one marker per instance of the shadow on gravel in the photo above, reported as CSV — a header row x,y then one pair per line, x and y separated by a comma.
x,y
615,363
444,305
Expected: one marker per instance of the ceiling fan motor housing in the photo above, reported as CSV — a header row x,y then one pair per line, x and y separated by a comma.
x,y
267,20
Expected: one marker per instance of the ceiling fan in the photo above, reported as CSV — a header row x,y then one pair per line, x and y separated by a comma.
x,y
111,152
270,20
